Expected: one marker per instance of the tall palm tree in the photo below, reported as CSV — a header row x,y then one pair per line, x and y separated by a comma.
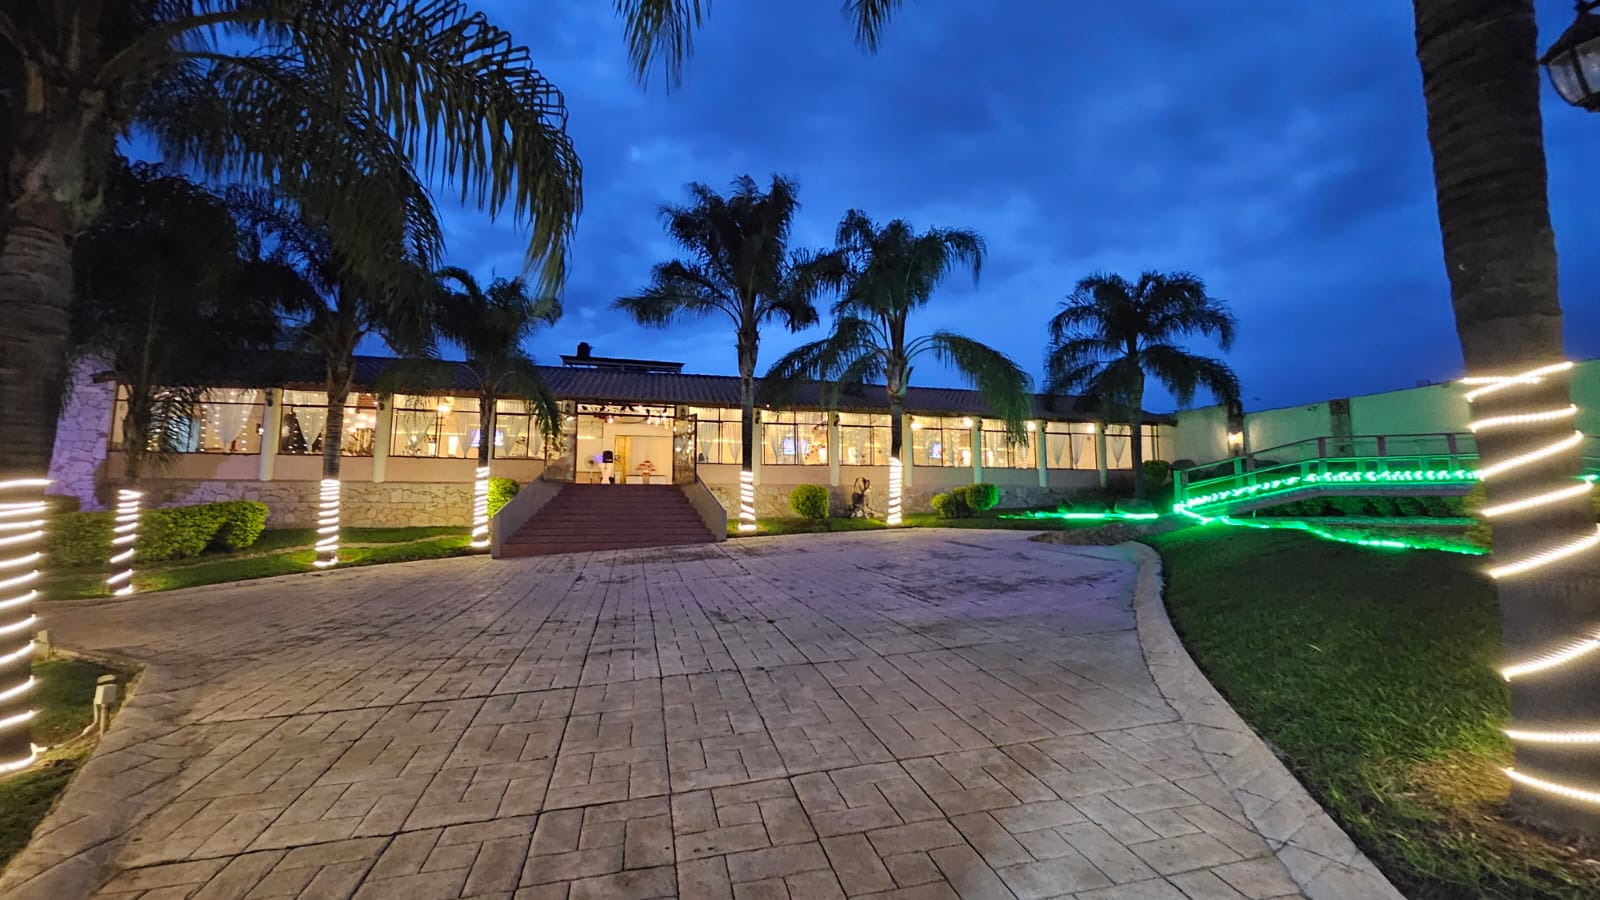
x,y
891,271
741,267
1111,334
1480,78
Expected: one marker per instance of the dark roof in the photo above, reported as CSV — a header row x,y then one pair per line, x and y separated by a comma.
x,y
304,371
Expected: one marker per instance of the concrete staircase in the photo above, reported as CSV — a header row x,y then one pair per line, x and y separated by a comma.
x,y
585,517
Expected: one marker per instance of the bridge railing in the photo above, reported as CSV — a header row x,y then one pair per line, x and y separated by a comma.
x,y
1345,456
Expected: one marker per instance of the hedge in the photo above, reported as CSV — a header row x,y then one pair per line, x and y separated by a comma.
x,y
81,539
1371,507
979,497
809,501
952,505
501,490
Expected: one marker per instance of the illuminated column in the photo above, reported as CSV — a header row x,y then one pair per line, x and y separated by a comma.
x,y
896,473
22,521
1036,436
271,427
835,449
1100,451
480,509
1557,491
123,536
328,524
383,433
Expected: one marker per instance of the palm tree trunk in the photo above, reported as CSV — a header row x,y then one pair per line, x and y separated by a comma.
x,y
486,414
1136,445
748,348
1481,84
333,429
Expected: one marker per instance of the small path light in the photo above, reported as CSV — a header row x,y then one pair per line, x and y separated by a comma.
x,y
1573,61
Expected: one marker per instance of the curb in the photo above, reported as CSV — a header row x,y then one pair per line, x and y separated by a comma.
x,y
1320,857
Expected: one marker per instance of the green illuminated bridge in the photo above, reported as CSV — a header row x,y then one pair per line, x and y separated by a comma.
x,y
1363,465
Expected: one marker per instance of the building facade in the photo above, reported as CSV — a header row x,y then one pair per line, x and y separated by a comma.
x,y
408,458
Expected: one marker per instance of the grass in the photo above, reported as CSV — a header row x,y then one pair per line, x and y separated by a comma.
x,y
244,567
1370,673
987,520
64,700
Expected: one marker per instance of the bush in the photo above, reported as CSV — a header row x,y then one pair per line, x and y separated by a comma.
x,y
809,501
77,539
1155,475
501,490
1478,532
62,503
241,523
177,532
951,506
978,497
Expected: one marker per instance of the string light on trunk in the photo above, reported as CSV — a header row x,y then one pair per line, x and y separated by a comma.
x,y
896,485
23,513
1550,787
480,509
1553,737
123,536
328,524
747,501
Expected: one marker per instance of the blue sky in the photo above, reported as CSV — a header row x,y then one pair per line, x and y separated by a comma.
x,y
1277,150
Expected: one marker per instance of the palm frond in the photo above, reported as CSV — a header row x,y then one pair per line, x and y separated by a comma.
x,y
1183,372
523,381
1004,385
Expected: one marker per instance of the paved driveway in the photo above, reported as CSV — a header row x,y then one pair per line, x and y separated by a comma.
x,y
907,715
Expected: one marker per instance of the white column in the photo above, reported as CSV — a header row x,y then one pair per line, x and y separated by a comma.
x,y
1040,442
1100,452
271,425
835,449
383,434
977,450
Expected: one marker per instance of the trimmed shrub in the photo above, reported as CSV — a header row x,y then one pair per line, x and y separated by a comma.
x,y
501,490
951,506
1155,475
177,532
241,523
77,539
979,497
809,501
1478,532
62,503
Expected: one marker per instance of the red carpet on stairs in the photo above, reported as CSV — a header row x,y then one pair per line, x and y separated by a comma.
x,y
609,517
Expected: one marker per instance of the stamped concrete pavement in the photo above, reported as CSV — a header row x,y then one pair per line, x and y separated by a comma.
x,y
906,715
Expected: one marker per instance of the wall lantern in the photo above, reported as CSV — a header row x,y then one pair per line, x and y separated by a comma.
x,y
1573,61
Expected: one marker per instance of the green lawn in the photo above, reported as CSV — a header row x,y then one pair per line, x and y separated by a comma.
x,y
991,520
64,700
1370,672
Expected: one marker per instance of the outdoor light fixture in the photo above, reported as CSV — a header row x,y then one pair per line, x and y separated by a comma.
x,y
966,423
1032,426
22,522
747,501
1573,61
896,476
328,525
445,407
123,536
480,509
1235,439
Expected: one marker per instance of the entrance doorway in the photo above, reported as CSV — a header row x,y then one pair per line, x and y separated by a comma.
x,y
625,444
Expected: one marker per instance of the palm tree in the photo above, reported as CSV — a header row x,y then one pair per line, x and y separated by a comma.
x,y
889,272
1111,334
1480,79
741,267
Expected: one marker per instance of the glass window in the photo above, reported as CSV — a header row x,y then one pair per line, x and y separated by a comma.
x,y
1119,445
225,420
717,437
305,415
1152,443
999,454
1070,445
516,431
438,426
941,442
790,438
864,439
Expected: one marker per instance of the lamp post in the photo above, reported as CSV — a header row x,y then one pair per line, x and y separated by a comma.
x,y
1573,61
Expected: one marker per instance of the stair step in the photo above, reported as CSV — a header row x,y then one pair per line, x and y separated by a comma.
x,y
588,518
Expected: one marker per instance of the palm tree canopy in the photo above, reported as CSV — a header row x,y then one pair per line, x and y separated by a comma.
x,y
1110,333
739,261
893,269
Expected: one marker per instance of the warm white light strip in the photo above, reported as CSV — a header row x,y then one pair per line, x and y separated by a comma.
x,y
29,597
17,581
1495,383
1546,557
1549,415
13,656
125,534
1553,737
1532,456
23,763
1577,490
747,501
20,625
896,474
1550,787
19,690
1551,660
17,484
18,719
328,525
17,562
480,509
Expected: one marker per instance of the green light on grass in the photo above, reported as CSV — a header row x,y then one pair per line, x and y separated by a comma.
x,y
1332,479
1361,540
1085,516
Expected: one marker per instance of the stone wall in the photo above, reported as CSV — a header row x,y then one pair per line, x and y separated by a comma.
x,y
772,501
293,504
82,435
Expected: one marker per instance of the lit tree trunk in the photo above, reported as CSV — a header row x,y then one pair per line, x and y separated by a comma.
x,y
895,379
1481,83
486,426
333,429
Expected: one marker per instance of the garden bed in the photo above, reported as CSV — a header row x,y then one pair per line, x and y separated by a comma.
x,y
1402,748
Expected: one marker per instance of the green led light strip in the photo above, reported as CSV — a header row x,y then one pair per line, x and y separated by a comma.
x,y
1331,479
1085,516
1389,543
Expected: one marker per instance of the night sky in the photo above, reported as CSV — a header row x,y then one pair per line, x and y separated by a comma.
x,y
1278,150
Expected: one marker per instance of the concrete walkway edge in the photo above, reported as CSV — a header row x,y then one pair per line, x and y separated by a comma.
x,y
1320,857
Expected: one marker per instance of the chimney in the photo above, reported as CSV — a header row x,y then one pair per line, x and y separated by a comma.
x,y
583,349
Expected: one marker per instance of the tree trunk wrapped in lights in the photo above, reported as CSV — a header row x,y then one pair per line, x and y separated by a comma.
x,y
123,536
1481,82
23,513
